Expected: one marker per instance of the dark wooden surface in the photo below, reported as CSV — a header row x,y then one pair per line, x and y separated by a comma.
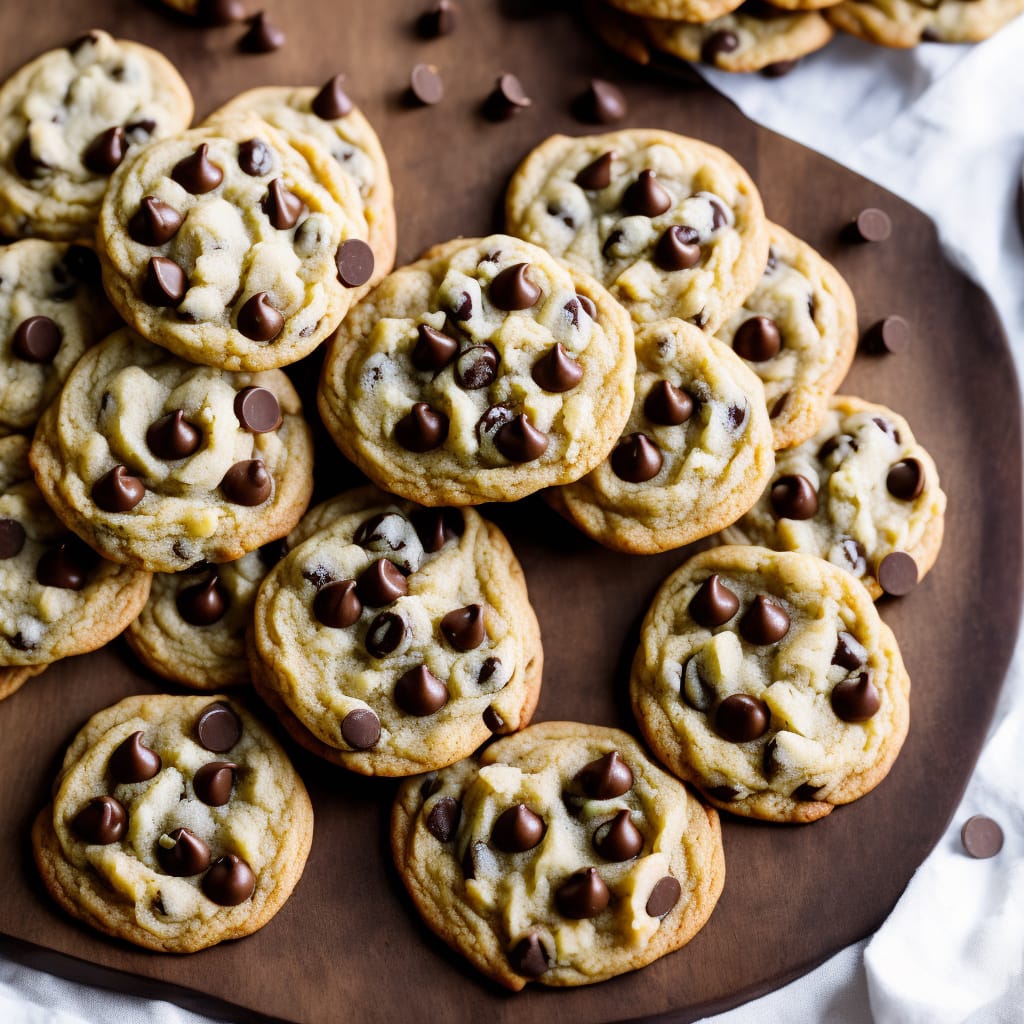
x,y
348,942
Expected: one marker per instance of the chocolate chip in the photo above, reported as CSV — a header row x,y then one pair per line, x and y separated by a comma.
x,y
433,350
440,20
780,404
556,371
218,728
619,839
479,861
262,36
203,604
106,151
855,555
12,538
182,853
257,410
487,670
140,132
581,303
86,39
597,174
385,633
664,896
905,479
436,526
133,761
757,339
529,957
741,718
582,895
361,729
282,207
714,604
667,405
259,320
426,85
842,446
220,12
82,264
856,699
737,416
607,777
354,260
764,622
694,688
517,830
477,367
982,837
897,573
419,692
850,653
806,792
646,197
602,103
722,41
636,459
886,428
65,565
154,223
677,249
494,721
512,289
381,584
794,497
229,882
165,283
494,417
870,225
508,98
118,491
213,781
779,68
172,437
464,627
247,483
332,102
890,335
337,604
443,819
255,158
519,441
197,173
26,163
463,308
725,794
103,820
37,340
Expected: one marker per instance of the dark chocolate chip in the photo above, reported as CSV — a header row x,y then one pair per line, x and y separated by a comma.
x,y
508,98
154,223
677,249
619,839
694,688
494,417
203,604
106,151
725,794
218,728
850,653
257,410
479,861
213,781
487,669
582,303
636,459
764,622
494,721
520,441
26,163
582,895
806,792
517,829
512,289
905,479
165,282
197,173
385,633
463,308
262,35
605,778
477,367
602,103
981,836
247,483
172,437
419,692
556,371
780,404
133,761
229,882
255,158
897,573
337,604
646,197
12,538
440,20
103,820
436,526
118,491
443,819
722,41
794,497
332,102
37,340
741,718
769,759
140,132
529,957
433,350
668,405
597,174
757,339
87,39
426,85
856,699
83,264
381,583
890,335
779,68
464,627
361,729
714,604
259,320
282,207
186,855
354,260
65,565
841,446
664,896
870,225
886,428
737,416
220,12
855,555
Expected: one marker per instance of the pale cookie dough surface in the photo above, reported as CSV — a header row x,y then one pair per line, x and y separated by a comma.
x,y
814,313
598,230
905,23
84,603
352,142
337,685
707,470
228,247
677,10
122,887
492,905
54,108
59,283
479,450
857,520
188,511
751,717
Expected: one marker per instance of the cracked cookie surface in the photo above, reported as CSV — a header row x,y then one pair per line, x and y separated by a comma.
x,y
905,23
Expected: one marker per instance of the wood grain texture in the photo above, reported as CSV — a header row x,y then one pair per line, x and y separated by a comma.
x,y
348,942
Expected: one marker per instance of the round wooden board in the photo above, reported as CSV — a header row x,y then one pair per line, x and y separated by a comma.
x,y
348,942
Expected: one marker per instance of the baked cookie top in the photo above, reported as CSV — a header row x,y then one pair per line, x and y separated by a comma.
x,y
396,639
563,856
677,10
671,226
797,330
66,121
695,454
905,23
231,248
177,822
329,116
770,681
485,371
160,464
861,493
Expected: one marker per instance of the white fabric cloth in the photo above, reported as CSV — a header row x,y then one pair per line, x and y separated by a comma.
x,y
944,128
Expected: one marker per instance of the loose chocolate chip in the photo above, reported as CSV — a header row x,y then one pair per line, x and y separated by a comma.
x,y
646,197
764,622
197,173
220,12
529,957
582,895
855,555
12,538
741,718
203,604
494,721
508,98
668,405
890,335
433,350
386,632
512,289
262,36
725,794
133,761
693,688
757,339
154,223
517,830
664,896
477,367
440,20
850,653
897,573
556,371
173,437
602,103
419,692
247,483
26,163
856,699
218,728
64,566
381,583
118,491
636,459
229,882
436,526
714,604
255,158
596,175
870,225
213,781
165,283
722,41
354,260
182,853
257,410
619,839
520,441
332,102
103,820
282,207
37,340
106,151
905,479
779,68
677,249
361,729
426,85
337,604
605,778
982,837
259,320
464,627
443,819
794,497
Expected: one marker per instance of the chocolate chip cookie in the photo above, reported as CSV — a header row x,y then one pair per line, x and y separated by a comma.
x,y
694,456
562,856
671,226
160,464
396,639
905,23
861,493
177,823
231,248
769,681
485,371
677,10
68,118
